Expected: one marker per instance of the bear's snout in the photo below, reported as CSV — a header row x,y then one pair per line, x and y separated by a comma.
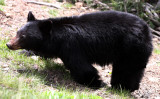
x,y
13,44
9,46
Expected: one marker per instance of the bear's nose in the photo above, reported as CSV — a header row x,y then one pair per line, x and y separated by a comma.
x,y
9,46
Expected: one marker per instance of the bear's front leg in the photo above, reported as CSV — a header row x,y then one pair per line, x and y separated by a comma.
x,y
86,75
83,72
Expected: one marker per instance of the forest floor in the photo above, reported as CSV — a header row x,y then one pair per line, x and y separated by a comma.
x,y
14,16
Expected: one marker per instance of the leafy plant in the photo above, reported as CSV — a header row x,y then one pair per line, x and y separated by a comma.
x,y
1,9
157,51
53,12
2,2
120,94
67,5
47,1
88,1
21,81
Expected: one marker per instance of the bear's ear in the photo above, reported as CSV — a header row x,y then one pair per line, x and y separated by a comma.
x,y
45,27
30,17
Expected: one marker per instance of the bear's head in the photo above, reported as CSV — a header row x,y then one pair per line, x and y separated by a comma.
x,y
32,35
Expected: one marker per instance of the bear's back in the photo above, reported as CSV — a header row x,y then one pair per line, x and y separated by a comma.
x,y
103,36
110,17
110,34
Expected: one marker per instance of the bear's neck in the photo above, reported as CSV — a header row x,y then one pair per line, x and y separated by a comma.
x,y
64,20
51,47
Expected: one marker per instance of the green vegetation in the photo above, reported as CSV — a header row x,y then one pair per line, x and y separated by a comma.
x,y
15,58
128,6
53,12
2,2
48,1
19,79
157,51
44,7
120,94
88,1
67,5
1,8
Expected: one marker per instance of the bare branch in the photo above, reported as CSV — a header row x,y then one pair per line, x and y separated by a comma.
x,y
155,22
157,33
103,4
1,12
43,3
125,5
150,10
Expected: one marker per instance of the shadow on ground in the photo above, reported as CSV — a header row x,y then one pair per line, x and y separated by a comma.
x,y
54,74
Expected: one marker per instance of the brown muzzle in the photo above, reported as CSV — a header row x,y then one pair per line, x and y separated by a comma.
x,y
13,44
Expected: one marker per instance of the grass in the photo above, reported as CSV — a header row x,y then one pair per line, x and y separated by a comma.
x,y
31,83
119,94
48,1
156,51
1,9
53,12
22,81
67,5
2,2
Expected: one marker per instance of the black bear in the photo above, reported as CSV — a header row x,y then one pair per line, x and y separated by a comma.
x,y
108,37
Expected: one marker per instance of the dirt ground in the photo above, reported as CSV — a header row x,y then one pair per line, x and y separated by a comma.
x,y
15,15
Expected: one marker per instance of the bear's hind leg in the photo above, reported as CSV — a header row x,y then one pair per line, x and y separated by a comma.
x,y
126,77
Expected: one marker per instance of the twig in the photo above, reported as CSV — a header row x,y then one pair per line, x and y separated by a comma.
x,y
42,3
157,33
103,4
155,22
1,12
150,10
158,4
125,5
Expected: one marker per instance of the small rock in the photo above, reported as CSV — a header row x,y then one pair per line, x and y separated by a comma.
x,y
79,4
35,67
5,69
153,79
157,97
5,66
35,57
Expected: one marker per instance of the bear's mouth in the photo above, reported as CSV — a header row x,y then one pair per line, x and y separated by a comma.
x,y
13,44
13,47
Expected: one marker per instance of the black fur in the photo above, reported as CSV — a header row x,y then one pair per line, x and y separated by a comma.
x,y
109,37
